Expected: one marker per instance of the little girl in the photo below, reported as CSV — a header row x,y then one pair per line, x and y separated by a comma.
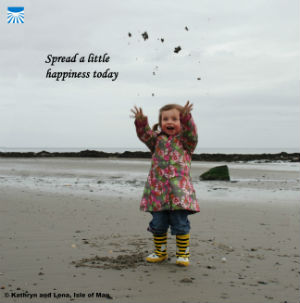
x,y
169,194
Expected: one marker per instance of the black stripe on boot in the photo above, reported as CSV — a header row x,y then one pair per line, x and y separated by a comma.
x,y
160,242
183,246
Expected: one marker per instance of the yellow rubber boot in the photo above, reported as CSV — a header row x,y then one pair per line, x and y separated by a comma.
x,y
160,253
183,250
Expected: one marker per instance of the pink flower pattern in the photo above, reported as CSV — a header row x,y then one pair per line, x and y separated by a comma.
x,y
169,183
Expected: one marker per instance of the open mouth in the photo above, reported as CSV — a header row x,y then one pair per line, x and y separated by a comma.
x,y
170,127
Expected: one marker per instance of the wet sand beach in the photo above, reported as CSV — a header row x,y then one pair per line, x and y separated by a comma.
x,y
71,231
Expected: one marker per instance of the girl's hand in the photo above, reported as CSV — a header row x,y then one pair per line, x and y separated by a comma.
x,y
138,113
187,108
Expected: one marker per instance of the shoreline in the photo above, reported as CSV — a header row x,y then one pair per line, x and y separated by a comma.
x,y
211,157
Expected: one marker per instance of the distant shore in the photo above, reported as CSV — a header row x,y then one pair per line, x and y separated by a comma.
x,y
215,157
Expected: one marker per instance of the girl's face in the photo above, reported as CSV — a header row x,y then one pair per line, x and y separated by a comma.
x,y
170,122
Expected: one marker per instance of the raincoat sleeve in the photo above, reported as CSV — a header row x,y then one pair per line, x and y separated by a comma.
x,y
189,136
145,133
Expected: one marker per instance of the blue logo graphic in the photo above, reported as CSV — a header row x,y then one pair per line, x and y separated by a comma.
x,y
15,14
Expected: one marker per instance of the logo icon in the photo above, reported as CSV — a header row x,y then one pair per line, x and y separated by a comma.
x,y
15,14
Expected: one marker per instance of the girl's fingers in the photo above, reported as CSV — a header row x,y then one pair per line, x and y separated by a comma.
x,y
186,105
138,112
187,108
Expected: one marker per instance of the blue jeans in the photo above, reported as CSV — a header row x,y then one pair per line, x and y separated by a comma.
x,y
177,219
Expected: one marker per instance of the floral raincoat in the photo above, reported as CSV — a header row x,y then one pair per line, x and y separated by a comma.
x,y
169,184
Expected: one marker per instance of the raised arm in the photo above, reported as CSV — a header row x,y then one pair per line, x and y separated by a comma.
x,y
189,136
143,130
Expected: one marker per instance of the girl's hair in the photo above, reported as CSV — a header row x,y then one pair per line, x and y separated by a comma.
x,y
165,108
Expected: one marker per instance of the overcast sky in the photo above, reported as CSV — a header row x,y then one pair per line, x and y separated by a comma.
x,y
238,64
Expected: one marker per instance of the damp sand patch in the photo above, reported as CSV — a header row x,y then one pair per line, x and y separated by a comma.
x,y
119,262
